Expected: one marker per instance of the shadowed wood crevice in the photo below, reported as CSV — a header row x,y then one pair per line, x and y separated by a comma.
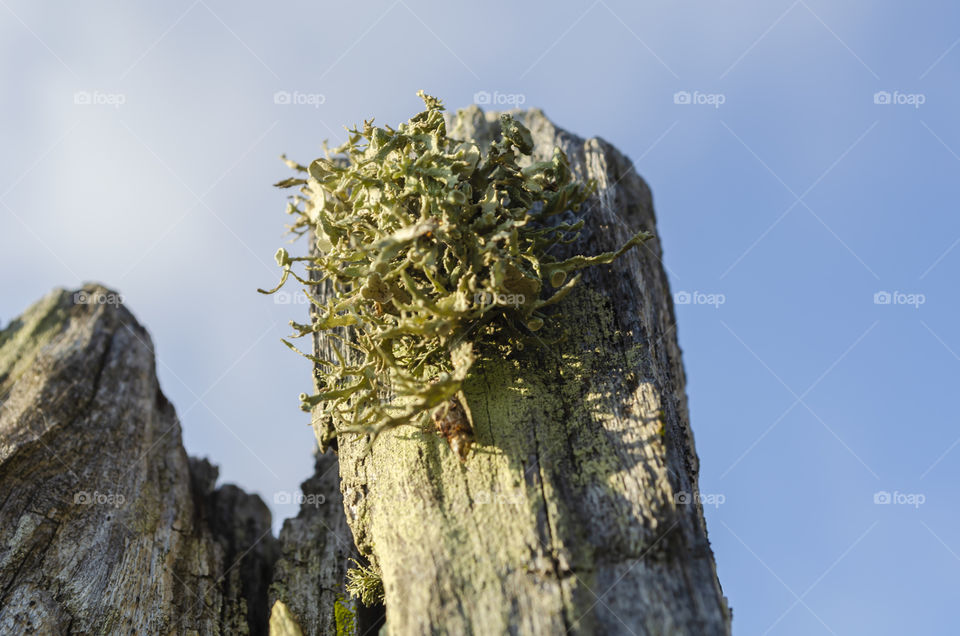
x,y
316,549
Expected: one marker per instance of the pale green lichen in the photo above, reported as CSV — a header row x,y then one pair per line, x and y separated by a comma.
x,y
364,582
429,246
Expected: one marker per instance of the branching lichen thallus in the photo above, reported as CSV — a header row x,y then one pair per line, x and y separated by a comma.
x,y
418,236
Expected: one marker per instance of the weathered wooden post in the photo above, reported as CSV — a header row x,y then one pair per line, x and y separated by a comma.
x,y
577,510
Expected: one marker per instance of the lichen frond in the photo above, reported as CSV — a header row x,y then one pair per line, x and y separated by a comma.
x,y
423,238
365,583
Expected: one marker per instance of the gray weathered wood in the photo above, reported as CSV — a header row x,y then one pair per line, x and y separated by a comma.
x,y
105,526
316,550
569,515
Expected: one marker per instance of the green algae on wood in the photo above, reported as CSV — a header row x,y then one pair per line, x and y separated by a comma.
x,y
346,618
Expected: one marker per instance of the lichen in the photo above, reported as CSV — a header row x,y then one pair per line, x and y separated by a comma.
x,y
345,618
430,247
364,582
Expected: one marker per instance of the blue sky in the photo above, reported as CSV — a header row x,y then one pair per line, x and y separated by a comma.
x,y
783,189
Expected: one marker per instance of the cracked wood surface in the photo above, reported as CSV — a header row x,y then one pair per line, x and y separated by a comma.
x,y
316,549
105,525
576,511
